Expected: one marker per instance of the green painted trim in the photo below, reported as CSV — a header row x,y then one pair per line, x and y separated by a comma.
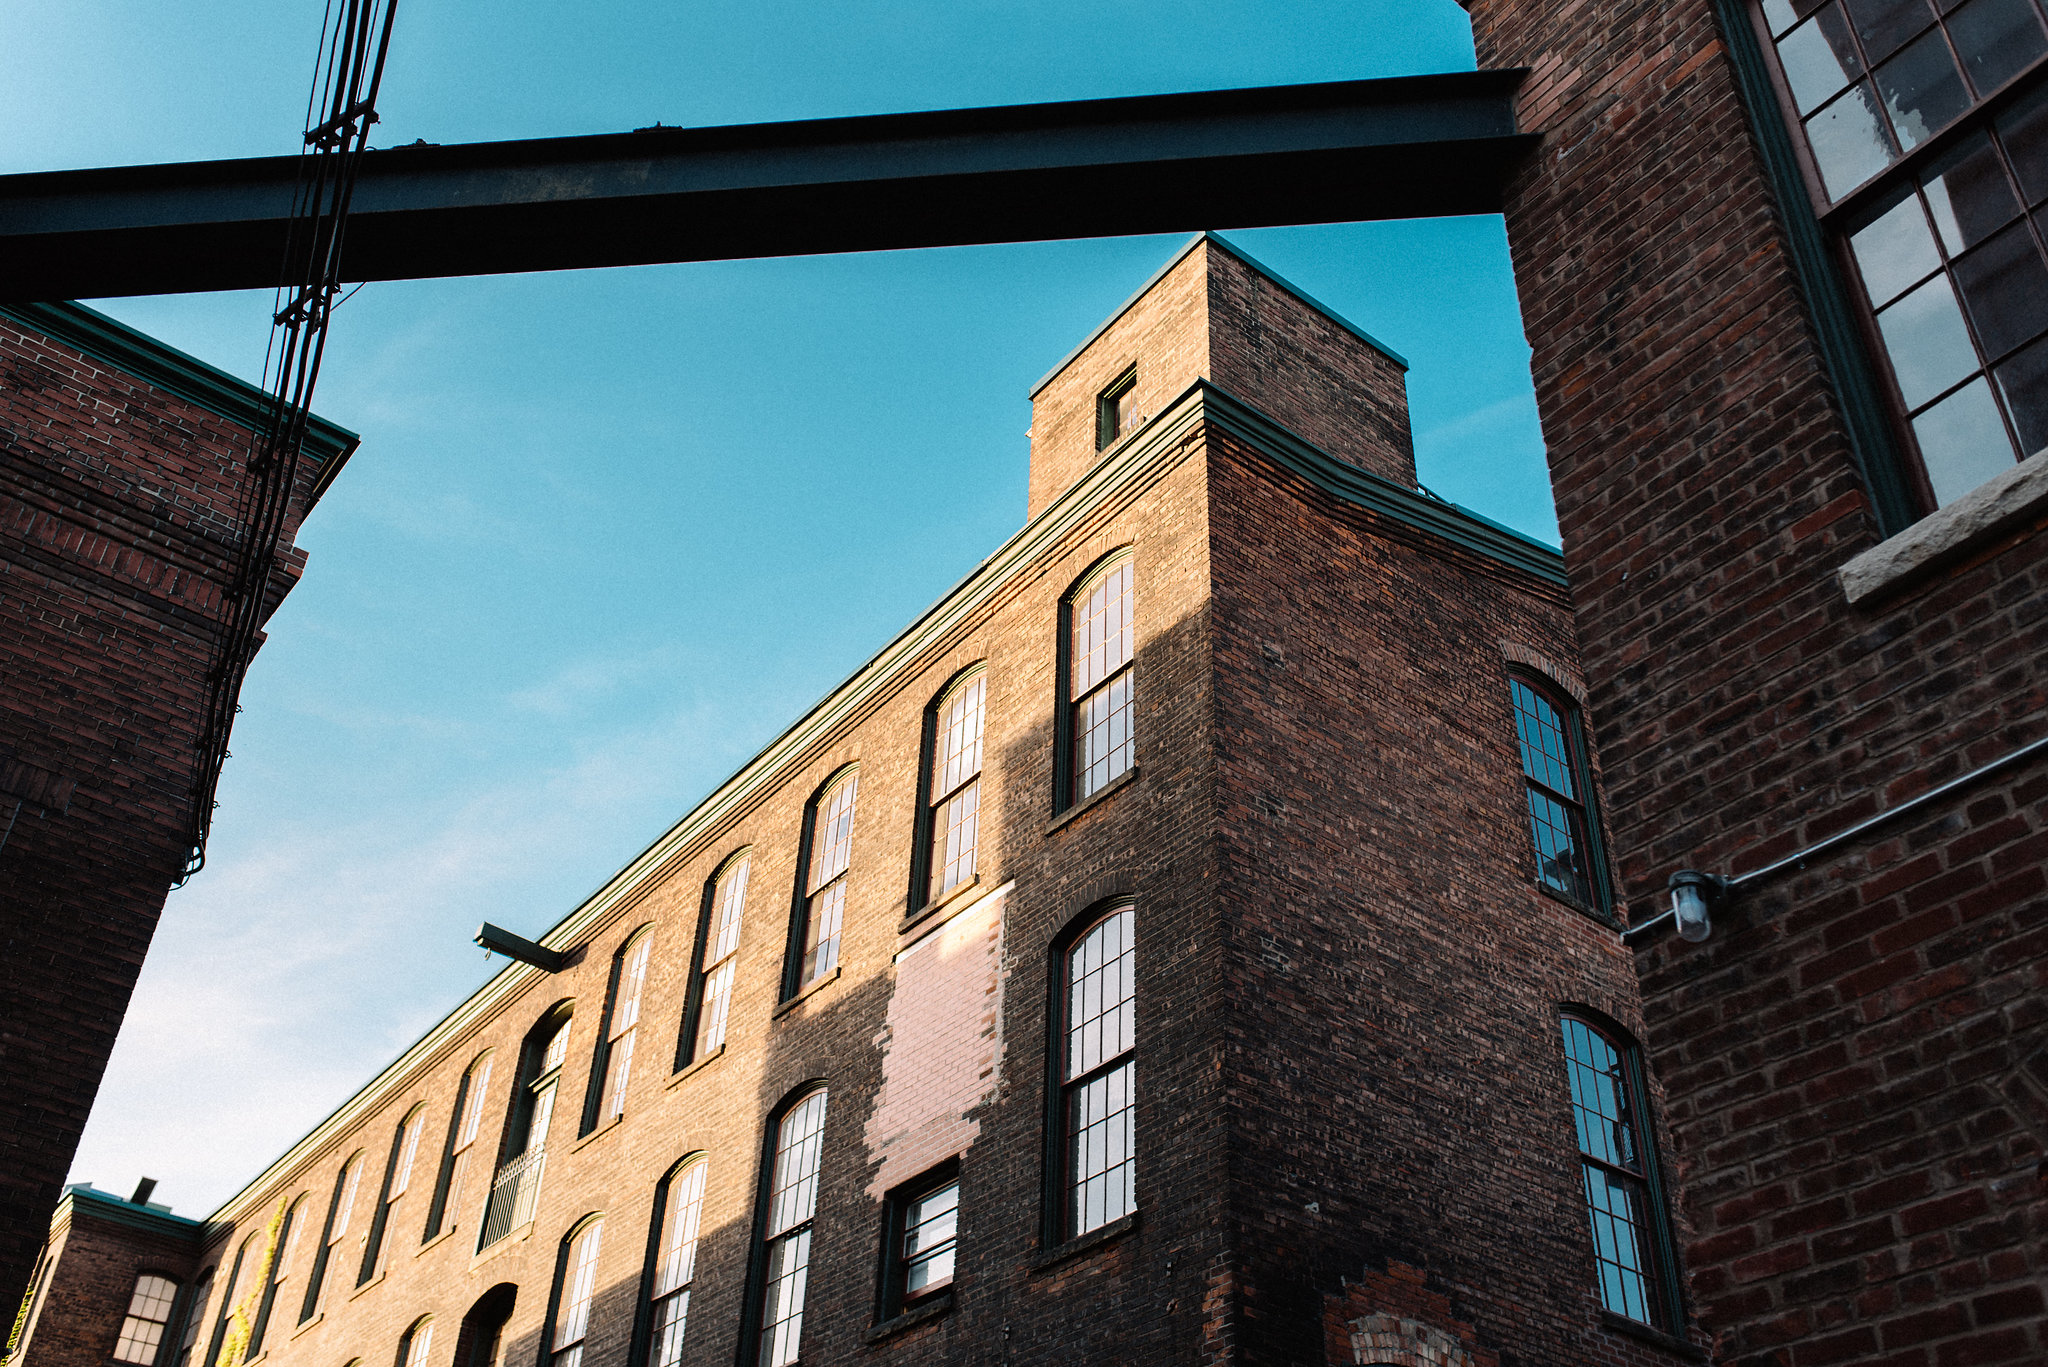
x,y
104,1205
165,367
1218,240
1138,459
1873,445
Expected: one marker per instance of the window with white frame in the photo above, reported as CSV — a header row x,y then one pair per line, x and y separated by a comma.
x,y
195,1317
398,1164
622,1028
678,1211
826,863
416,1343
792,1206
1098,1074
149,1311
576,1282
720,957
339,1208
952,812
1101,688
455,1155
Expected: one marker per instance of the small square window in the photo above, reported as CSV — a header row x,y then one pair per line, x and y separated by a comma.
x,y
923,1233
1116,411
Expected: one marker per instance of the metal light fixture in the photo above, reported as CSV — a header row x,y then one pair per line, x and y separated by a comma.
x,y
1692,892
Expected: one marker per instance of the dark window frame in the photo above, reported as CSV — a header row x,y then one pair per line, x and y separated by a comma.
x,y
1665,1289
380,1218
754,1300
193,1321
1860,364
1572,721
700,972
1065,705
268,1270
924,818
166,1344
793,981
317,1277
890,1275
640,1352
1109,425
1056,1222
227,1304
452,1148
545,1355
599,1082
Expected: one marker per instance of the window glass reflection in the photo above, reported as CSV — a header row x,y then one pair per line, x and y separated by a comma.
x,y
1848,142
1969,194
1923,92
1895,251
1886,25
1820,58
2005,285
2024,382
1997,38
1962,442
2024,131
1929,346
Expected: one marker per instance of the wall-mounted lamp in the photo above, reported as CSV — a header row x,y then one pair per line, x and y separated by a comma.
x,y
1692,893
498,940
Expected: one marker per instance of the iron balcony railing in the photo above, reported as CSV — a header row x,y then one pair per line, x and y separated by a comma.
x,y
514,1194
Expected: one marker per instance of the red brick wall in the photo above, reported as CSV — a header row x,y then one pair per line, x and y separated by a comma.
x,y
1843,1059
116,517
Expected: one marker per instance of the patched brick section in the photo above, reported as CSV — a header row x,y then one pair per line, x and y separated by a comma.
x,y
1393,1319
117,524
1846,1059
941,1045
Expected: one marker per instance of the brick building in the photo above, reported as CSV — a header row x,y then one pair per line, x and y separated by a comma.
x,y
1189,940
1786,302
121,466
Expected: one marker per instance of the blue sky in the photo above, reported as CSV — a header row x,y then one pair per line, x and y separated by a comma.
x,y
609,531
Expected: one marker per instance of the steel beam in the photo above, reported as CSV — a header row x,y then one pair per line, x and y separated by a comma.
x,y
1410,147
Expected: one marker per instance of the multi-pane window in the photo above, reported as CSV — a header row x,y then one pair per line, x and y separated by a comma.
x,y
339,1210
721,956
792,1203
405,1145
515,1189
623,1026
149,1310
1103,641
1097,1074
228,1289
280,1271
675,1268
925,1249
831,853
416,1344
1927,125
195,1317
953,810
575,1283
1116,409
1554,775
462,1126
1627,1221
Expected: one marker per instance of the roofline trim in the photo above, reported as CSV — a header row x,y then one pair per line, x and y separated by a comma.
x,y
162,366
1217,239
1153,447
106,1205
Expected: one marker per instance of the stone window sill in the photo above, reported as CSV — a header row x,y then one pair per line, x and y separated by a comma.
x,y
1087,1243
437,1240
309,1324
513,1238
696,1066
939,904
937,1306
1622,1324
600,1132
1989,511
374,1281
1089,803
808,990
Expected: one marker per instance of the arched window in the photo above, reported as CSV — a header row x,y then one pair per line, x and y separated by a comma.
x,y
786,1248
398,1164
821,903
1558,783
149,1311
1631,1238
678,1205
195,1316
523,1151
1096,744
717,957
480,1341
416,1342
462,1123
339,1207
949,816
611,1063
575,1282
280,1271
1097,1025
227,1302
